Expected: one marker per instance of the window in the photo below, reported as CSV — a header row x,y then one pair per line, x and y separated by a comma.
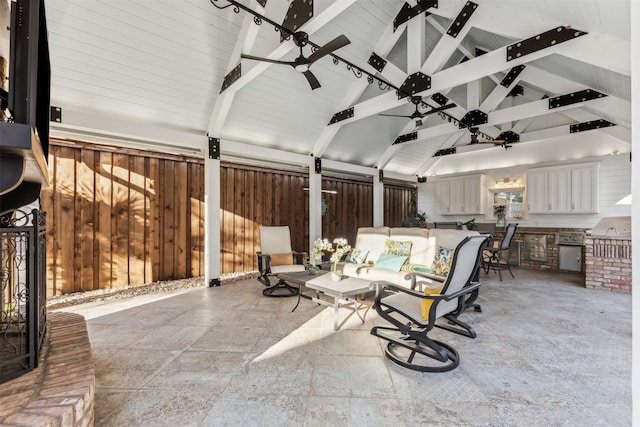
x,y
511,199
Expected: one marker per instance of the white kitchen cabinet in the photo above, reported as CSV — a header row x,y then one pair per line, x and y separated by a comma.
x,y
461,196
584,189
537,190
560,190
563,189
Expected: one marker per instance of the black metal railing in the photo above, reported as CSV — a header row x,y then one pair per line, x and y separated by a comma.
x,y
23,312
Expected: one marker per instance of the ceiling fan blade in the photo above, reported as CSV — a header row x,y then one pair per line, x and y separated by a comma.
x,y
395,115
334,44
494,142
272,61
437,110
313,81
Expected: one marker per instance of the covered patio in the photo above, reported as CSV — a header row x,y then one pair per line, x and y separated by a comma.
x,y
548,352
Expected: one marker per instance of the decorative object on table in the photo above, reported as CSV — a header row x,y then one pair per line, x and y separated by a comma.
x,y
500,211
322,246
341,249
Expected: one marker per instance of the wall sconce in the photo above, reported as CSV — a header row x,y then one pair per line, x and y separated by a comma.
x,y
507,183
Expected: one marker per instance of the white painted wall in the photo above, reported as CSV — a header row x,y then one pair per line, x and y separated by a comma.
x,y
615,184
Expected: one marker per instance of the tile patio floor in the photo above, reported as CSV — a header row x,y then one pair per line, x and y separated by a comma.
x,y
549,353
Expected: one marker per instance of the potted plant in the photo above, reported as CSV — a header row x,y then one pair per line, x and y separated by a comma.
x,y
342,248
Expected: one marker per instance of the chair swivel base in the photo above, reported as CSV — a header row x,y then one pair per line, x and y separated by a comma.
x,y
411,353
281,290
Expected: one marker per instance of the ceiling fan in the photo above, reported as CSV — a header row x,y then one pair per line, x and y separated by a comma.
x,y
497,142
417,115
302,63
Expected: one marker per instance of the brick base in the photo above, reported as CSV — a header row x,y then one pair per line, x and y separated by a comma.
x,y
60,391
608,264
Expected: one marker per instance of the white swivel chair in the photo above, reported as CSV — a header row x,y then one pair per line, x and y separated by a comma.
x,y
276,256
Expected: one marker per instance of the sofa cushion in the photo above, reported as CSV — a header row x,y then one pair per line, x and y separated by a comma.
x,y
421,243
390,262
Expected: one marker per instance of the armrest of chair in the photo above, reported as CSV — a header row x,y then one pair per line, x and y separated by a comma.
x,y
417,275
303,255
383,284
469,288
264,261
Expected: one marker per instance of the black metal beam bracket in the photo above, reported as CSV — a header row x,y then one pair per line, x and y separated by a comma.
x,y
415,83
231,78
461,19
473,118
341,115
594,124
445,152
542,41
406,137
407,12
512,75
214,148
377,62
574,98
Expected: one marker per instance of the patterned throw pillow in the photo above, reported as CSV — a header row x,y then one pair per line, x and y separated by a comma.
x,y
393,247
442,261
357,256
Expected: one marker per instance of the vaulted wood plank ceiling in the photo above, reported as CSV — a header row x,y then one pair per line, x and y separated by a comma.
x,y
161,65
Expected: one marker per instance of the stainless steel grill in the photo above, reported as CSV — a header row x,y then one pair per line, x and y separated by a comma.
x,y
570,238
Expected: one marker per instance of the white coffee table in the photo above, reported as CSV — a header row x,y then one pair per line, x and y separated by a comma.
x,y
340,291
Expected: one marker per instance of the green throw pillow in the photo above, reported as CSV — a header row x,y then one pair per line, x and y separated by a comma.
x,y
390,262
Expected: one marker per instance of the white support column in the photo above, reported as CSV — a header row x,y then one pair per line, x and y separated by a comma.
x,y
378,202
635,208
473,95
315,204
212,219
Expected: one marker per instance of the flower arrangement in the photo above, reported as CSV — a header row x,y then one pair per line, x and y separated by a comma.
x,y
320,246
342,248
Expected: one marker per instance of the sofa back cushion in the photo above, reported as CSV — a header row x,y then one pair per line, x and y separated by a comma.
x,y
420,240
372,239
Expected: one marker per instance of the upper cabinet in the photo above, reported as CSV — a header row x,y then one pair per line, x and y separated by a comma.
x,y
563,189
461,195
